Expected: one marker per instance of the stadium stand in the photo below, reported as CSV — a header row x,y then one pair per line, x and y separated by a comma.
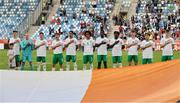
x,y
79,16
13,13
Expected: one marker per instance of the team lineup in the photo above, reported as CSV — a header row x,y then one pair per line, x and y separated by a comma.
x,y
88,45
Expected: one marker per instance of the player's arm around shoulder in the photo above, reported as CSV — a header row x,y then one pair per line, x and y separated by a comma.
x,y
128,44
162,43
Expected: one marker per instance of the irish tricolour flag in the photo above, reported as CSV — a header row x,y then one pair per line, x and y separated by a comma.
x,y
159,82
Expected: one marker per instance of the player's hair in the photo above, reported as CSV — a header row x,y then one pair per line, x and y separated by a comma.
x,y
147,33
87,32
15,31
133,31
116,32
11,44
56,33
71,32
41,33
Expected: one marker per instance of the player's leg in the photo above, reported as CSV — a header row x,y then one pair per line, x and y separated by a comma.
x,y
23,62
74,61
68,59
38,59
135,57
30,62
99,61
114,60
61,61
129,60
105,61
164,58
44,63
85,59
55,61
91,59
144,61
119,60
149,61
170,57
17,58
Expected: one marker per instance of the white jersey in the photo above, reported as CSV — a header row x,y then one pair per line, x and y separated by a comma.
x,y
102,49
148,52
88,46
133,50
11,54
16,46
71,49
57,50
117,49
168,49
41,51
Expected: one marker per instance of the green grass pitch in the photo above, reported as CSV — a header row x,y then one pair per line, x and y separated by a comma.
x,y
4,59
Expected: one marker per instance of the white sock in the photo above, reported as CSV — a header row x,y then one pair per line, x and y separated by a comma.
x,y
75,66
53,69
91,67
67,66
60,69
120,65
38,66
114,65
84,67
19,68
44,66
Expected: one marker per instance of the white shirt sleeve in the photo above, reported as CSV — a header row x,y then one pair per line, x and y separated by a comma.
x,y
37,42
139,42
122,42
76,41
108,41
82,43
11,40
142,44
162,42
97,41
173,42
94,42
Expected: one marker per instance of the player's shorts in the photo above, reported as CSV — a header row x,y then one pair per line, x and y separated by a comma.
x,y
166,58
41,59
88,58
17,58
116,59
27,58
146,61
70,58
132,58
58,58
102,58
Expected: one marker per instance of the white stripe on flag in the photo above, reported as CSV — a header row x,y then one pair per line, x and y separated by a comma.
x,y
17,86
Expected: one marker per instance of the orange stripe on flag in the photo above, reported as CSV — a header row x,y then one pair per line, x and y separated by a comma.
x,y
158,82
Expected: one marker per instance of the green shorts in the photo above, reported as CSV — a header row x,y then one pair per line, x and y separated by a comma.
x,y
41,59
102,58
58,58
17,58
166,58
132,58
146,61
117,59
70,58
87,58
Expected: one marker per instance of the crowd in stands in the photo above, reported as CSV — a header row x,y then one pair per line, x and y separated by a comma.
x,y
79,16
155,16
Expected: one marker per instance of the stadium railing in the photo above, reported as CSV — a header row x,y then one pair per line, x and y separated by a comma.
x,y
31,19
